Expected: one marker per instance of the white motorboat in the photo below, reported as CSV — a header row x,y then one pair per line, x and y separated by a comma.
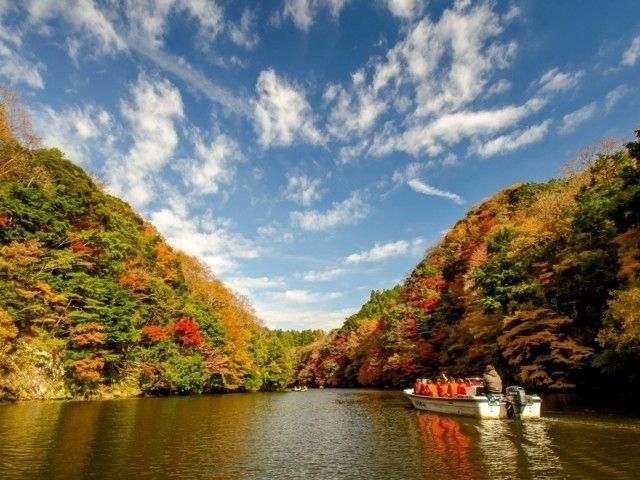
x,y
515,404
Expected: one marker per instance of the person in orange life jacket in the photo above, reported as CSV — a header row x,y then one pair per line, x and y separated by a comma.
x,y
432,389
461,388
442,388
452,387
417,387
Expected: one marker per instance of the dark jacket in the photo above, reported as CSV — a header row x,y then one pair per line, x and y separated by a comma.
x,y
492,381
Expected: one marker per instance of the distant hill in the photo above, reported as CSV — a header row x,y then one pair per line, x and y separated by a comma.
x,y
94,303
542,280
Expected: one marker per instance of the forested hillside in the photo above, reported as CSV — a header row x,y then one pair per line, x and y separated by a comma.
x,y
542,280
93,302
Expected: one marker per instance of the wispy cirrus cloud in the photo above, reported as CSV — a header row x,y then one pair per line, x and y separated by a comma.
x,y
383,251
555,80
421,187
350,210
571,120
303,12
631,54
512,141
323,275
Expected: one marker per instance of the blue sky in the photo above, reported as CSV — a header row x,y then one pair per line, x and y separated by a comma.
x,y
310,151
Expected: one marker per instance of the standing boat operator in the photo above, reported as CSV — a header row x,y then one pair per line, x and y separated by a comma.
x,y
491,381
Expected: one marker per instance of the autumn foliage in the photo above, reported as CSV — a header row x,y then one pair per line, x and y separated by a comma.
x,y
542,280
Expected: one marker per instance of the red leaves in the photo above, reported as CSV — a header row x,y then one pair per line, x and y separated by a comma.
x,y
185,331
80,247
155,333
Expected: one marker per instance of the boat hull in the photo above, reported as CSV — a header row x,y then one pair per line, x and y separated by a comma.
x,y
478,406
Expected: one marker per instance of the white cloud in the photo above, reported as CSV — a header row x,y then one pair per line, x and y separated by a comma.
x,y
209,239
213,165
573,119
353,112
299,319
500,86
17,69
323,275
302,189
195,79
450,159
556,81
346,212
451,128
302,12
246,285
156,106
512,141
77,131
84,18
615,95
303,296
421,187
380,252
407,9
243,33
275,233
632,53
412,170
282,114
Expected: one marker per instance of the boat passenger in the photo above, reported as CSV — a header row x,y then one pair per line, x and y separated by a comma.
x,y
491,381
452,387
423,386
442,388
432,389
417,387
461,388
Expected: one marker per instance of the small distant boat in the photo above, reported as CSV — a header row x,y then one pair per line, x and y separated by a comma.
x,y
299,389
515,404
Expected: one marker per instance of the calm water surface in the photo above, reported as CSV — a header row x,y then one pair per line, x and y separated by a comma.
x,y
324,434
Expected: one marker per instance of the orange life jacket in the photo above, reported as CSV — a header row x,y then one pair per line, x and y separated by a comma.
x,y
443,389
461,389
417,387
432,390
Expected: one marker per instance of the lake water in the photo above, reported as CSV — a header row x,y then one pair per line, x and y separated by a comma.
x,y
323,434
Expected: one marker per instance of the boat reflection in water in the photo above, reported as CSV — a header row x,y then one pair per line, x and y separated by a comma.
x,y
446,446
476,449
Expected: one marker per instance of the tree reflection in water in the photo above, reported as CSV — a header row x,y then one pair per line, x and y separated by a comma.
x,y
447,447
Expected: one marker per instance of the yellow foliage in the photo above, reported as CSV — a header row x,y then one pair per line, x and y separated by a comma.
x,y
48,294
166,262
629,255
8,330
622,325
88,334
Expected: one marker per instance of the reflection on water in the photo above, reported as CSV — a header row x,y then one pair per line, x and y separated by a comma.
x,y
445,445
355,434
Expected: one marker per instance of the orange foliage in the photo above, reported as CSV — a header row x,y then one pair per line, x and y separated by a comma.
x,y
88,370
167,262
88,334
155,333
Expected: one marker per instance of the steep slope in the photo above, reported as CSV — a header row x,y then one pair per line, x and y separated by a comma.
x,y
93,302
542,280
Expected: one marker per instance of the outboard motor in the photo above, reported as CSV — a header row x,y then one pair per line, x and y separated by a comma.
x,y
516,401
